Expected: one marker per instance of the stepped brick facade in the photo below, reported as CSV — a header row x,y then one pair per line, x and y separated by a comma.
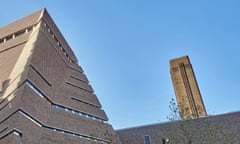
x,y
45,97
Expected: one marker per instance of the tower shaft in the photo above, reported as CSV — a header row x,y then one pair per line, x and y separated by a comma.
x,y
186,89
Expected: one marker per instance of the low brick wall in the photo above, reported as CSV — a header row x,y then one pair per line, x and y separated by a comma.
x,y
219,129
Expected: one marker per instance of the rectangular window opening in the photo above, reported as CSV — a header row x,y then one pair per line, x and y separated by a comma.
x,y
8,37
147,139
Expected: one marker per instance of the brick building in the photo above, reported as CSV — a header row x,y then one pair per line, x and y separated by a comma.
x,y
219,129
45,97
195,127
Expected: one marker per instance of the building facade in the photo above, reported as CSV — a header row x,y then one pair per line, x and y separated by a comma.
x,y
219,129
186,89
45,97
195,127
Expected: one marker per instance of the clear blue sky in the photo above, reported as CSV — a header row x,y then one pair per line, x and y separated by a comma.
x,y
124,47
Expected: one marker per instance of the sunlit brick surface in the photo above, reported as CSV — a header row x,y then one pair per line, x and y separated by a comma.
x,y
45,97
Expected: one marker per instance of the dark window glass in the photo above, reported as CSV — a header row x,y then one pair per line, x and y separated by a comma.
x,y
147,139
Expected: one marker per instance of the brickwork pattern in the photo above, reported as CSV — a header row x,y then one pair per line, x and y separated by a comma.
x,y
219,129
45,95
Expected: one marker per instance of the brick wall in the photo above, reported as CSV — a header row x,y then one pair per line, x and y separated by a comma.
x,y
219,129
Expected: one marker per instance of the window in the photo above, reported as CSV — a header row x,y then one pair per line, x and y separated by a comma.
x,y
147,139
30,28
8,37
38,92
21,32
17,133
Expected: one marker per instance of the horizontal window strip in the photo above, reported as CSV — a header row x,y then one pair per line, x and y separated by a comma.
x,y
17,132
16,34
37,91
87,137
30,118
60,107
39,124
14,131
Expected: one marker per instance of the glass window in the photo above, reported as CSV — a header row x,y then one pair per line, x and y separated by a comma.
x,y
147,139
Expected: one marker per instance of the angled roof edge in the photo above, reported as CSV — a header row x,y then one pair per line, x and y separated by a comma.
x,y
46,17
226,114
21,23
33,19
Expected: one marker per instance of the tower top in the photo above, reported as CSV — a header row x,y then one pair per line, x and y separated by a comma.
x,y
40,16
186,89
176,61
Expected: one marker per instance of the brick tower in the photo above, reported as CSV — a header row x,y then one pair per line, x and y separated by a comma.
x,y
188,95
45,97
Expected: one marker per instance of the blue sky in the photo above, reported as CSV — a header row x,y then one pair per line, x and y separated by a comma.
x,y
125,46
